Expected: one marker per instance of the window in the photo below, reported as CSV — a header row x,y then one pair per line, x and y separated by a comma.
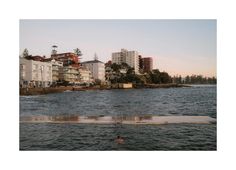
x,y
49,75
22,75
42,68
22,66
34,67
49,68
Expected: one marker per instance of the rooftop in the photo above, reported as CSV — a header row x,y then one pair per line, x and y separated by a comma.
x,y
92,61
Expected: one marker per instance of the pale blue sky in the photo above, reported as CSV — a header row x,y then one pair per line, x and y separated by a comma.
x,y
177,46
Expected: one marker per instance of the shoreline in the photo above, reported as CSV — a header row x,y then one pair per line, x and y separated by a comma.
x,y
60,89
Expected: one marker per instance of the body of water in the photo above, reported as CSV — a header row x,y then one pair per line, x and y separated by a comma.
x,y
193,101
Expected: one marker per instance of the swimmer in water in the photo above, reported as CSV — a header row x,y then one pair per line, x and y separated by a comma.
x,y
119,140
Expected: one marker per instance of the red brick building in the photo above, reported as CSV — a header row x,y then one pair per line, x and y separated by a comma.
x,y
67,58
145,64
36,58
108,64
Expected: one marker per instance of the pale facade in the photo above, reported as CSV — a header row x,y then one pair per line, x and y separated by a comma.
x,y
97,69
125,85
35,73
56,65
129,57
69,74
85,75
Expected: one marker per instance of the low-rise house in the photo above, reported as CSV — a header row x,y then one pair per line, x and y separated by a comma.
x,y
125,85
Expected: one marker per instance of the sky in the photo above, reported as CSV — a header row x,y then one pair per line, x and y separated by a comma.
x,y
179,47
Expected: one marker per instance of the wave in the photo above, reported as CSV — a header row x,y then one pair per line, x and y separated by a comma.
x,y
146,119
67,91
29,97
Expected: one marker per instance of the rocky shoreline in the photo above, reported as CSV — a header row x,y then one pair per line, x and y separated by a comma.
x,y
48,90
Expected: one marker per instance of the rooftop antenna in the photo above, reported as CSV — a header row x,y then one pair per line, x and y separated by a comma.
x,y
54,50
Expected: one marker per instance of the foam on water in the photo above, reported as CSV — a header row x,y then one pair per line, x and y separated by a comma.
x,y
146,119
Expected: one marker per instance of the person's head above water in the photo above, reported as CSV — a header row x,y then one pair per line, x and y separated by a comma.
x,y
119,140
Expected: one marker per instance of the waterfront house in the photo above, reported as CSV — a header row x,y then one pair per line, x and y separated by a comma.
x,y
125,85
97,69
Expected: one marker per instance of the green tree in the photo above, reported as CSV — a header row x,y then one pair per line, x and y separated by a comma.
x,y
115,67
187,79
148,78
142,79
130,71
78,52
164,77
199,79
25,53
125,66
155,76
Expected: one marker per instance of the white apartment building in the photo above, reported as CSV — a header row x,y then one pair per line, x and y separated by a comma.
x,y
56,65
97,69
35,73
69,74
129,57
85,75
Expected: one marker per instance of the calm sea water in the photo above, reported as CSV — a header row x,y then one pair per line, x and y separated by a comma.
x,y
196,100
